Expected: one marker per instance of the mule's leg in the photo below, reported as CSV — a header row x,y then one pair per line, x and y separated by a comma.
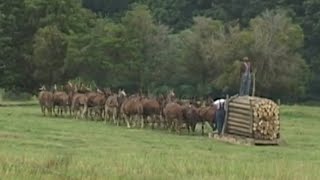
x,y
178,126
114,113
188,127
54,110
42,110
50,111
169,125
202,128
102,113
194,128
65,110
105,114
99,113
134,120
70,110
127,120
75,113
84,110
61,110
159,121
163,122
118,117
153,121
142,121
78,112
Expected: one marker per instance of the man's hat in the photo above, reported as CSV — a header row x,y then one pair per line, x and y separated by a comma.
x,y
245,59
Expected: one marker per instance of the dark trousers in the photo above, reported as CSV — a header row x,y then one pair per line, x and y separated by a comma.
x,y
220,114
245,84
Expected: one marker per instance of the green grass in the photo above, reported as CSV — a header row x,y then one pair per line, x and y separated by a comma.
x,y
36,147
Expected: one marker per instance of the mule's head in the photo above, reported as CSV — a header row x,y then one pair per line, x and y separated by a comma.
x,y
68,87
55,88
107,92
171,94
42,88
99,91
122,93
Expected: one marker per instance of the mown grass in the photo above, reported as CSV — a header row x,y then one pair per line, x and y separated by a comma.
x,y
37,147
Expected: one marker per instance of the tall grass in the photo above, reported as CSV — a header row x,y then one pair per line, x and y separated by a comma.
x,y
37,147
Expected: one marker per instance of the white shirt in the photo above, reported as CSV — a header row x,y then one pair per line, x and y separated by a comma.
x,y
219,102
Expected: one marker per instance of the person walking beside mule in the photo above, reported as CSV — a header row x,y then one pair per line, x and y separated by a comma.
x,y
220,114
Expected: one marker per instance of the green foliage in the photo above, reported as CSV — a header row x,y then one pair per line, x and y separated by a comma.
x,y
272,41
150,39
16,96
50,50
191,46
111,8
14,46
276,41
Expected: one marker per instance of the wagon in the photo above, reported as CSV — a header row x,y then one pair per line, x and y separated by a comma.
x,y
254,119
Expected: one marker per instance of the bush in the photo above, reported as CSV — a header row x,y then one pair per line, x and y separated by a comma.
x,y
15,96
1,94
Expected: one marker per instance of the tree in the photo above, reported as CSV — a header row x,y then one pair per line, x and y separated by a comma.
x,y
204,51
49,53
15,40
311,26
102,54
110,8
151,38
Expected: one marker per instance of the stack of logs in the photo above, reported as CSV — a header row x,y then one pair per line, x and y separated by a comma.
x,y
253,117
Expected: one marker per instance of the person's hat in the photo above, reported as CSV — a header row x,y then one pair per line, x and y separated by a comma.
x,y
245,59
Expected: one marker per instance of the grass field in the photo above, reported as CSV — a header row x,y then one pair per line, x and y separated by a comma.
x,y
36,147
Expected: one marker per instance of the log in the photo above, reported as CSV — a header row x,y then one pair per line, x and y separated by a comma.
x,y
239,116
239,133
241,101
242,121
234,123
251,117
239,111
233,127
240,106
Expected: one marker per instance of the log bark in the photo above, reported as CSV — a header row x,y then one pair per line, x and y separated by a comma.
x,y
241,106
234,123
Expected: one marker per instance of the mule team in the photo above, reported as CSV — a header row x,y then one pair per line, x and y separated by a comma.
x,y
164,111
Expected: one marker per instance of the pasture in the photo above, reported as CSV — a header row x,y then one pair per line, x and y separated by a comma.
x,y
37,147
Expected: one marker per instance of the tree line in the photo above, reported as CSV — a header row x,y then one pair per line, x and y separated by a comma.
x,y
194,47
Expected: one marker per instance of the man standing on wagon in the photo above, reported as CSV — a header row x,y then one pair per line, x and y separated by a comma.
x,y
246,77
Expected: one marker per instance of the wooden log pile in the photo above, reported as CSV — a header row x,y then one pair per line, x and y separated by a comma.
x,y
253,117
266,124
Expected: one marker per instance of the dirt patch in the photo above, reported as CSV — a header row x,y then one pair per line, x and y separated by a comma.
x,y
232,139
